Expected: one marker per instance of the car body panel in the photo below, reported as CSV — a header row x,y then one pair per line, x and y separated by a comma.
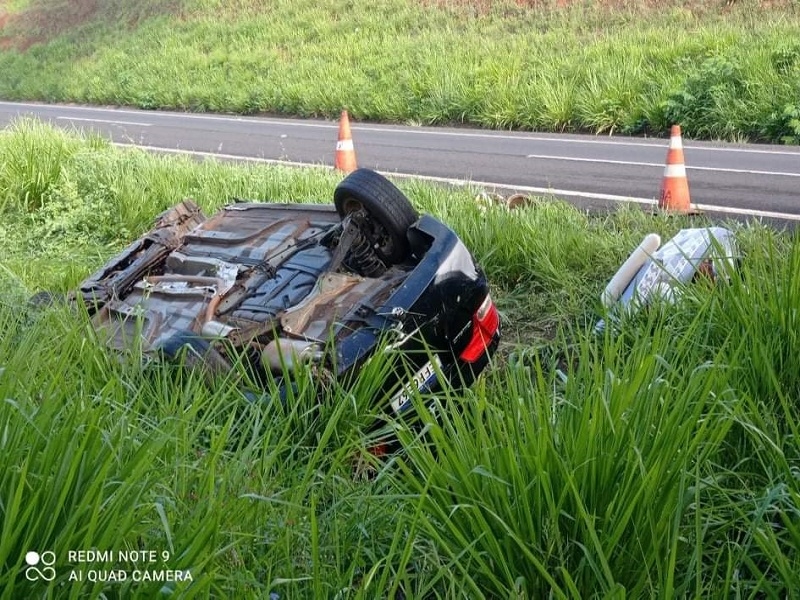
x,y
264,279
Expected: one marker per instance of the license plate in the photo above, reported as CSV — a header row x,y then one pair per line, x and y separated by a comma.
x,y
422,381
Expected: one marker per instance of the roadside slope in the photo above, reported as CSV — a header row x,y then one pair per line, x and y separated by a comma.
x,y
728,72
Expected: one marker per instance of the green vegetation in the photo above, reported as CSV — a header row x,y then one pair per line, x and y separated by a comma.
x,y
722,70
657,460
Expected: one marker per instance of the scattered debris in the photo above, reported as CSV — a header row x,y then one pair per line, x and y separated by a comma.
x,y
652,272
487,199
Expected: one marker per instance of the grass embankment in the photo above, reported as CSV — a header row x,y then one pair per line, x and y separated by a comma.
x,y
728,72
664,465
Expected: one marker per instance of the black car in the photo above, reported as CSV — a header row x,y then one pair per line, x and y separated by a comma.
x,y
285,283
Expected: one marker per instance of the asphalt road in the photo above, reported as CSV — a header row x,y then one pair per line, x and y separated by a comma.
x,y
733,179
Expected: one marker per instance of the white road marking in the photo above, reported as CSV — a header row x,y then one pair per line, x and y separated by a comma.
x,y
485,184
219,155
662,143
660,165
611,197
655,143
104,121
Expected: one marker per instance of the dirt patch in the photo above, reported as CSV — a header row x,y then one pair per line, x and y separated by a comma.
x,y
44,20
5,41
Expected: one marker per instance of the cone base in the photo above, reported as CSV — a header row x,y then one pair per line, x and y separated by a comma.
x,y
346,165
676,212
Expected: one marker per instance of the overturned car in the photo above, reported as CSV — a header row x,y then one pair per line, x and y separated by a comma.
x,y
281,284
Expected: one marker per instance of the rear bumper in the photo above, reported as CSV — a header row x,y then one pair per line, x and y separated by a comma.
x,y
438,299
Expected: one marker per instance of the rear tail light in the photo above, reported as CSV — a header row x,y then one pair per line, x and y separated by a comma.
x,y
378,450
485,323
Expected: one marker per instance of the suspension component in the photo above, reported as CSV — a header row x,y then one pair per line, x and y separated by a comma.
x,y
363,259
354,249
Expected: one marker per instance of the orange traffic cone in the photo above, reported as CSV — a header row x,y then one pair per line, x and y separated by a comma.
x,y
675,187
345,153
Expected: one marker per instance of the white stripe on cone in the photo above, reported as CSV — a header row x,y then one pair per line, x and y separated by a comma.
x,y
344,145
675,170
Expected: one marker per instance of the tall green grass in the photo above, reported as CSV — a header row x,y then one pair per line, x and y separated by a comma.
x,y
721,72
658,459
250,498
662,462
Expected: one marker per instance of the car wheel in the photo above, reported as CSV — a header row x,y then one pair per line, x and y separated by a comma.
x,y
389,211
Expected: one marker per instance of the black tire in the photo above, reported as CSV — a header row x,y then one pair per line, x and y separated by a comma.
x,y
386,205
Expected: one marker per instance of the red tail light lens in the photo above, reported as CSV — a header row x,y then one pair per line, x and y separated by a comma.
x,y
485,323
